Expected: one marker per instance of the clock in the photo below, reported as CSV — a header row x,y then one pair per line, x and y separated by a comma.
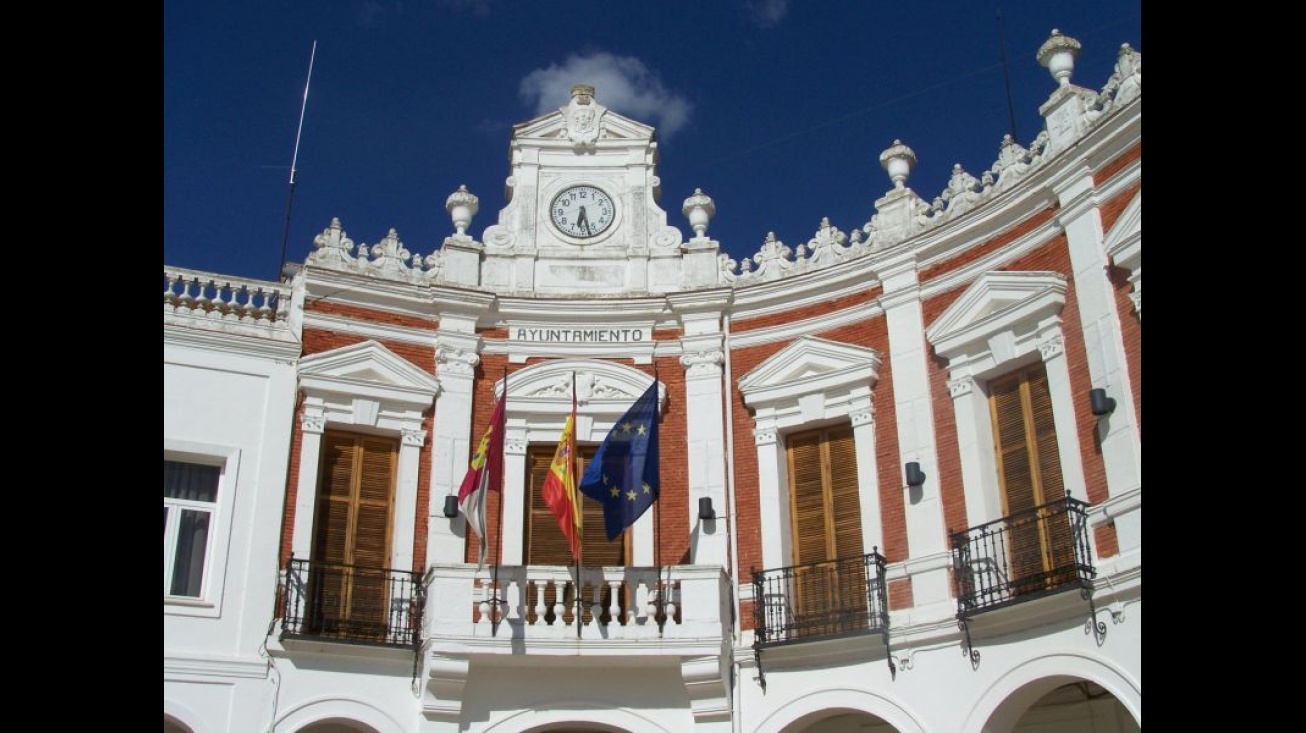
x,y
582,212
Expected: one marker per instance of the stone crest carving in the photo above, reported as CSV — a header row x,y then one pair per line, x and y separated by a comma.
x,y
583,116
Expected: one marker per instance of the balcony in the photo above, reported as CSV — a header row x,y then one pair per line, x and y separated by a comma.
x,y
1023,556
820,600
352,604
541,603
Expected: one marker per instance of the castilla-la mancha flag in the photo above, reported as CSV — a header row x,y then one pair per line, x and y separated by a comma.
x,y
485,474
559,489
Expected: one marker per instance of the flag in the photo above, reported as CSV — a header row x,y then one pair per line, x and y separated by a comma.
x,y
623,476
485,474
559,489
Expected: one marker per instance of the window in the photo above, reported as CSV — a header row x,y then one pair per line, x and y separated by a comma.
x,y
1030,476
351,535
546,545
544,542
190,502
826,523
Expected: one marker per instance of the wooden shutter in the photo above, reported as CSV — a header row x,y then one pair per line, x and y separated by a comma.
x,y
845,501
545,543
351,538
1029,473
829,584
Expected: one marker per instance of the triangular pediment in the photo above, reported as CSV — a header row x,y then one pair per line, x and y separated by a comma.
x,y
553,126
812,362
364,366
995,302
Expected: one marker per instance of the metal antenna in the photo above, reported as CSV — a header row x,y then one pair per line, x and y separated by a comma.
x,y
1006,78
294,160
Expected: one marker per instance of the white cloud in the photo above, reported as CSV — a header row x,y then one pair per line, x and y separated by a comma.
x,y
767,13
622,83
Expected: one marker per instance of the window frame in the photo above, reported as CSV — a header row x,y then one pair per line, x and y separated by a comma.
x,y
213,578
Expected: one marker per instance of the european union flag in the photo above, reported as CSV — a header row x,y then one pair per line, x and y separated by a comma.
x,y
623,476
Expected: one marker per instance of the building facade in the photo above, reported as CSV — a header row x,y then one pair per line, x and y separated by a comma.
x,y
900,468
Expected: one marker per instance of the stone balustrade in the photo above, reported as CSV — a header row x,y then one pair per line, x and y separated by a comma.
x,y
221,298
539,602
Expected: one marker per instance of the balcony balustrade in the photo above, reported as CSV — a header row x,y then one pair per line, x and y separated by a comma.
x,y
1023,556
539,602
820,600
352,604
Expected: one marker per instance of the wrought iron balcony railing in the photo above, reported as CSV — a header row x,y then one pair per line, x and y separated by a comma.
x,y
820,600
352,604
1027,555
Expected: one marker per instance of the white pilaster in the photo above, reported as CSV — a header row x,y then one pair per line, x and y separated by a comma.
x,y
979,470
868,483
456,359
926,534
705,440
773,497
310,449
1117,433
405,521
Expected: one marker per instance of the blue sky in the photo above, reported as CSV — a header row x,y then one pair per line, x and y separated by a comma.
x,y
778,110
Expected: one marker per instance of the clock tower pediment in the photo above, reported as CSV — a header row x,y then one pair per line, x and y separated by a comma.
x,y
582,215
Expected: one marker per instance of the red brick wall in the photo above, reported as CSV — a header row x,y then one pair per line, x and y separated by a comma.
x,y
292,483
1109,171
951,491
1112,209
900,596
673,468
1107,543
971,254
369,315
1131,332
744,325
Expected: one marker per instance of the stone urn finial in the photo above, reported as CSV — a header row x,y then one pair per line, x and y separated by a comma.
x,y
1058,54
582,93
898,160
699,209
462,205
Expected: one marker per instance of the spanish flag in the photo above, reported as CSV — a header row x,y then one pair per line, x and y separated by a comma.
x,y
559,489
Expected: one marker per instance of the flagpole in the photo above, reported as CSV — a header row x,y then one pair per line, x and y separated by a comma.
x,y
657,518
575,507
496,614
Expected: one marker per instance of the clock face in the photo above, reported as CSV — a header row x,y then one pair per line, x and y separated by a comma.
x,y
583,212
